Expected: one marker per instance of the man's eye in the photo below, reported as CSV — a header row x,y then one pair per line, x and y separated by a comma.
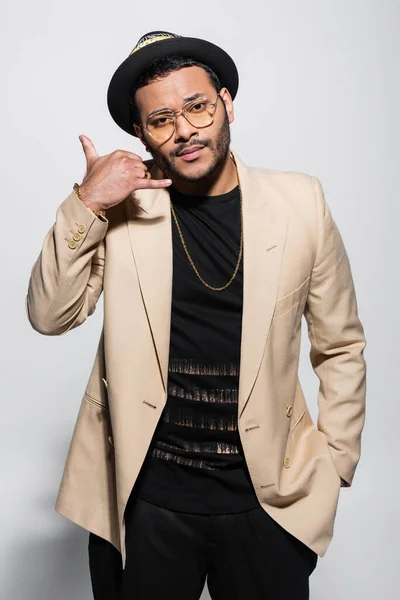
x,y
160,122
198,107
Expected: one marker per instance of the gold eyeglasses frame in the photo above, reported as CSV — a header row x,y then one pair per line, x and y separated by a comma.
x,y
176,113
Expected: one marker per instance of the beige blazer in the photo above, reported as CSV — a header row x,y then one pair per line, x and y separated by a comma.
x,y
294,263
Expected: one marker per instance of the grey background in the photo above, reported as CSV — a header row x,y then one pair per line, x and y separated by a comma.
x,y
319,93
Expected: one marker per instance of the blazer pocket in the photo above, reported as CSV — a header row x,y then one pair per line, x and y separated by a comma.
x,y
289,301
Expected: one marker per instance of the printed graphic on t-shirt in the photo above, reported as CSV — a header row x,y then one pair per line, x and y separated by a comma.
x,y
190,440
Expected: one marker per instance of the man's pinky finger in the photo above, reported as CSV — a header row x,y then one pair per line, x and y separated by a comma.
x,y
154,183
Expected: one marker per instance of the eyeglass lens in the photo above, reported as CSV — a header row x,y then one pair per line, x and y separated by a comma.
x,y
199,113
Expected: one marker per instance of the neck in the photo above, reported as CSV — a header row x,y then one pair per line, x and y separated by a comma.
x,y
223,180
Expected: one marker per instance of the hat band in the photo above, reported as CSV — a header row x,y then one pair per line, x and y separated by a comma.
x,y
151,41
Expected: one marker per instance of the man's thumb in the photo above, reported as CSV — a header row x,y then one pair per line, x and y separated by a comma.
x,y
88,148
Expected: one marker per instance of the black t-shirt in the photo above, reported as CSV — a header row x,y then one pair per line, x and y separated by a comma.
x,y
195,461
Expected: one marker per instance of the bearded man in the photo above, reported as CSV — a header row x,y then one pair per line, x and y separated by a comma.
x,y
194,454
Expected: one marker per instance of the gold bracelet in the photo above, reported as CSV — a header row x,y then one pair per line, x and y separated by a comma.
x,y
78,193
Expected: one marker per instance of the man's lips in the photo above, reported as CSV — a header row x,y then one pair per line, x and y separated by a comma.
x,y
191,153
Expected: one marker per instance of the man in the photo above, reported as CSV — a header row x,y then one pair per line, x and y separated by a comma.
x,y
194,453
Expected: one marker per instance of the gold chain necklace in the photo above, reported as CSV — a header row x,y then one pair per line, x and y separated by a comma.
x,y
216,289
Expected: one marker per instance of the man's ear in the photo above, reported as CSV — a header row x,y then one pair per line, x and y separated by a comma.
x,y
227,100
139,133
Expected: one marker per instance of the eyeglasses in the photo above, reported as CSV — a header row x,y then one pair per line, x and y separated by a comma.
x,y
199,113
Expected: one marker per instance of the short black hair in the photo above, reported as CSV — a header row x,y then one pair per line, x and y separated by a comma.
x,y
162,67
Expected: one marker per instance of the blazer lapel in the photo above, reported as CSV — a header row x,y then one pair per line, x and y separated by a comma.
x,y
149,227
264,233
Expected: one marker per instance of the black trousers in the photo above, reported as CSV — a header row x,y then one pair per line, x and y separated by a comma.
x,y
170,555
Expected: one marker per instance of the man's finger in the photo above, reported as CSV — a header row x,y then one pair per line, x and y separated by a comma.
x,y
88,148
153,183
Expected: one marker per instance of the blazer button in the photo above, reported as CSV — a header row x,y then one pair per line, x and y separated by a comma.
x,y
286,462
77,236
289,411
105,382
81,228
110,440
72,244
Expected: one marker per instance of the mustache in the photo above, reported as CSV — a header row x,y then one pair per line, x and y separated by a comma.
x,y
183,147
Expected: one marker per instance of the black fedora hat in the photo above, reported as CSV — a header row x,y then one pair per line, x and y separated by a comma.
x,y
157,44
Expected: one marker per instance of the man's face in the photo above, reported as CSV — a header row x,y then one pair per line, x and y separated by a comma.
x,y
171,92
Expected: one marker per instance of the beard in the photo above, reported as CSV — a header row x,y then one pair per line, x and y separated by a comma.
x,y
219,148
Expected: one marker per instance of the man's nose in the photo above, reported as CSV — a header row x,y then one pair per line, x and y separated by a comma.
x,y
183,129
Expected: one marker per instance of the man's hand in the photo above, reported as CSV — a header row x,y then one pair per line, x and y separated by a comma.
x,y
110,179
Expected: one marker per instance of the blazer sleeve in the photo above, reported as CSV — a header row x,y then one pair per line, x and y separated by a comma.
x,y
337,344
67,277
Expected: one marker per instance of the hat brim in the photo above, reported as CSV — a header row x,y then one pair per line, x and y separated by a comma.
x,y
124,78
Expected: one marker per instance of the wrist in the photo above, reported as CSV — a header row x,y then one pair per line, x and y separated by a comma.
x,y
86,199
